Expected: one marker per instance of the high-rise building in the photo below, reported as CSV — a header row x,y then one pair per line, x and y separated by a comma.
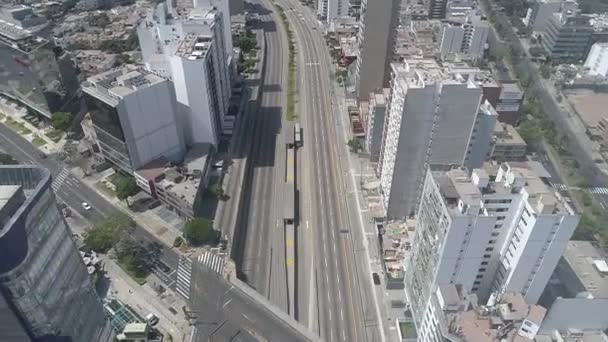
x,y
597,60
33,71
430,124
134,116
223,7
466,38
44,283
376,36
541,11
502,229
566,38
378,105
198,66
201,93
328,10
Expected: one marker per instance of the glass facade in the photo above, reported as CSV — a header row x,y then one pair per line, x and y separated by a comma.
x,y
49,285
109,132
30,74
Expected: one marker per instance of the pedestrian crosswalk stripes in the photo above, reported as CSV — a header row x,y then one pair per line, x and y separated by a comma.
x,y
560,187
60,179
598,190
184,275
212,260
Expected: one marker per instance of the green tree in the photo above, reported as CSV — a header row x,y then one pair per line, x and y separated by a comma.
x,y
246,44
6,159
107,233
355,145
216,190
125,187
545,71
61,120
122,59
199,231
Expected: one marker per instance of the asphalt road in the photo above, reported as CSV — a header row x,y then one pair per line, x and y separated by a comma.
x,y
262,263
327,225
225,312
72,191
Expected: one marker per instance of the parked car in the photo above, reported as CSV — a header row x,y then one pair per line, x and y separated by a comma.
x,y
86,206
152,319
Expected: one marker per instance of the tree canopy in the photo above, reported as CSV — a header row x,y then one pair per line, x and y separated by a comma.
x,y
61,120
200,231
125,187
106,234
246,44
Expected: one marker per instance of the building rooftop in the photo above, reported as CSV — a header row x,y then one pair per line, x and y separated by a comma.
x,y
194,46
418,73
502,321
506,134
461,191
135,328
184,180
589,264
115,84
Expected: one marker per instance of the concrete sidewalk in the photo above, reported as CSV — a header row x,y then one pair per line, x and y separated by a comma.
x,y
144,300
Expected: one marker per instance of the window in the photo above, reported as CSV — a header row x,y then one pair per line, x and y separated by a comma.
x,y
477,283
492,241
489,249
479,276
500,218
487,256
483,263
495,234
481,270
474,289
496,226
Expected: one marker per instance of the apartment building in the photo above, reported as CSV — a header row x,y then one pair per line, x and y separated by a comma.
x,y
134,116
376,36
508,145
453,314
597,60
430,124
566,38
189,47
437,9
46,292
502,229
377,107
329,10
465,38
541,11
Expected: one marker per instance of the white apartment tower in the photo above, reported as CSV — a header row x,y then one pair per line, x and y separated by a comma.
x,y
431,123
189,47
134,118
465,39
328,10
502,229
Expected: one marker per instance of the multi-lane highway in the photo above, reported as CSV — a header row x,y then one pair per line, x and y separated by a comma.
x,y
330,300
262,264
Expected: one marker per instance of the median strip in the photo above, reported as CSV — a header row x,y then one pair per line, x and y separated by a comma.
x,y
291,70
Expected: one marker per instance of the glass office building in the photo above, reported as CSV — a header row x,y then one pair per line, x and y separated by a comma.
x,y
42,275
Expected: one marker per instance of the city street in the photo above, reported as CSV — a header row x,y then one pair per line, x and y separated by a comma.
x,y
70,190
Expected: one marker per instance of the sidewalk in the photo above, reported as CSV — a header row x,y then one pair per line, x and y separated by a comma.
x,y
144,300
13,116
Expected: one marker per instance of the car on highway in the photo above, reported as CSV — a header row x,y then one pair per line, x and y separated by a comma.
x,y
376,278
86,206
152,319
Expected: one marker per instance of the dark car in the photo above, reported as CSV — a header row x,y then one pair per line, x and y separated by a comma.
x,y
376,278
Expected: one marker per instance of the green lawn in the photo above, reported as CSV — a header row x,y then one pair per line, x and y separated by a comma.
x,y
138,279
17,126
38,141
103,188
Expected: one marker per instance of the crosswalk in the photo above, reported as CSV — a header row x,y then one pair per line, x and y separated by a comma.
x,y
560,187
598,190
166,278
184,276
60,179
212,260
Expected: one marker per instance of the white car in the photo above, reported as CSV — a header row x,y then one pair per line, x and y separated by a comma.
x,y
86,206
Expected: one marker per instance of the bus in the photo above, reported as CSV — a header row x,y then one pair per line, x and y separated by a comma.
x,y
297,134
